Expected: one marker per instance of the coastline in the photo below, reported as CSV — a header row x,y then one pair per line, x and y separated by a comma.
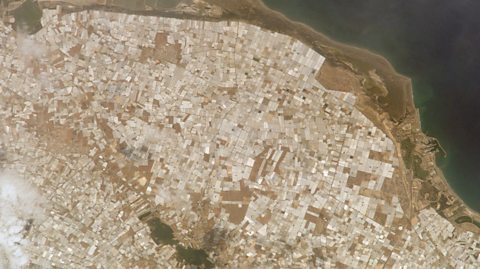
x,y
394,113
382,61
362,59
402,84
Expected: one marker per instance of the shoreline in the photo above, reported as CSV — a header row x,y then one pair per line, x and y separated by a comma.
x,y
388,71
365,51
362,59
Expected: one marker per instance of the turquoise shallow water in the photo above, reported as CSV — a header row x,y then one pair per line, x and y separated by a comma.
x,y
435,42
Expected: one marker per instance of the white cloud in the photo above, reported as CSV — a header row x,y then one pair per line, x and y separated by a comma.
x,y
19,203
170,197
30,48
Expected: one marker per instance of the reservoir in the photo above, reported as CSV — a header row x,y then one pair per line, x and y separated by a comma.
x,y
434,42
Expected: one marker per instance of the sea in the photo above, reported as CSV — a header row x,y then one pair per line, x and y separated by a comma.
x,y
434,42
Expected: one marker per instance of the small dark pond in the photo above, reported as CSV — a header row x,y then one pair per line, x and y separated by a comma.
x,y
28,17
162,234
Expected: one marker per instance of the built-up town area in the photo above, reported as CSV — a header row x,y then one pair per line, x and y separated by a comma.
x,y
218,129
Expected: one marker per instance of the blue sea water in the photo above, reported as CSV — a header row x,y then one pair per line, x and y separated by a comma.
x,y
437,44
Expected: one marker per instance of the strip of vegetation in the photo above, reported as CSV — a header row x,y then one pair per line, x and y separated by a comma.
x,y
407,152
411,160
464,219
418,171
